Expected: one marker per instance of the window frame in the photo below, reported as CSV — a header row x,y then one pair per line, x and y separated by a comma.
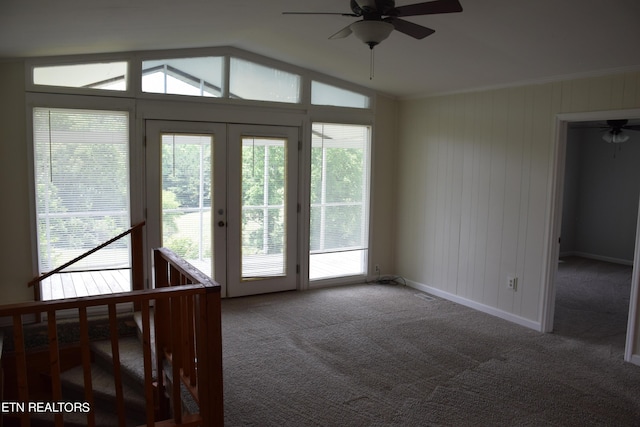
x,y
32,64
102,103
150,106
82,213
367,205
134,82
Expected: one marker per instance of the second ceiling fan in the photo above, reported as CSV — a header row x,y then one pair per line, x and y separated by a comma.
x,y
381,17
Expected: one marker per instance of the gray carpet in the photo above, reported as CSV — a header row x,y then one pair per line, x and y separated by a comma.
x,y
381,355
592,303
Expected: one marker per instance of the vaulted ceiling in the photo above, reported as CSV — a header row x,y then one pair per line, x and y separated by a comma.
x,y
491,43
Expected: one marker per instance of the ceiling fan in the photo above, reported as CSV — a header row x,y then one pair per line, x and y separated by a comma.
x,y
615,130
381,17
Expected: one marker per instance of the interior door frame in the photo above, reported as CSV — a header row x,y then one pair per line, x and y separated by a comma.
x,y
552,232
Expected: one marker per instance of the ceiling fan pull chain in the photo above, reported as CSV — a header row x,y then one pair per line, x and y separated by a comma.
x,y
371,65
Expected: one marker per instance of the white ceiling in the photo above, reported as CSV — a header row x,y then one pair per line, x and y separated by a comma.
x,y
491,43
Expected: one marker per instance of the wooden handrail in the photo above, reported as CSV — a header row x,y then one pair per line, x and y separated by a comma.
x,y
40,278
32,307
194,352
187,326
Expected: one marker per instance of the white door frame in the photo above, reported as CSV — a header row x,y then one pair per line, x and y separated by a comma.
x,y
153,187
237,285
226,203
554,223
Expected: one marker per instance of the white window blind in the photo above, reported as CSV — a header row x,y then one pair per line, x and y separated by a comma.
x,y
264,175
82,186
339,200
186,197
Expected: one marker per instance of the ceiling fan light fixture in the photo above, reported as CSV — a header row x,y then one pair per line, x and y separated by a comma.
x,y
615,137
372,32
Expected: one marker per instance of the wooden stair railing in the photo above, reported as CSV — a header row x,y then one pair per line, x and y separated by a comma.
x,y
137,262
187,334
186,343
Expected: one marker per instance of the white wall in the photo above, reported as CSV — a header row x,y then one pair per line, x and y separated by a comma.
x,y
384,184
15,237
600,207
474,185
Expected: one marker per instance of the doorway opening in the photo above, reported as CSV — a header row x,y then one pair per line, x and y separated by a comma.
x,y
591,289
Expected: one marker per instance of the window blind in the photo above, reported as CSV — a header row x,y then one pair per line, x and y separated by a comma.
x,y
186,197
339,200
82,186
264,174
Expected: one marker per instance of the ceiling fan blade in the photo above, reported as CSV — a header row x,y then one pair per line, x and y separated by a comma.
x,y
632,127
428,8
352,15
345,32
409,28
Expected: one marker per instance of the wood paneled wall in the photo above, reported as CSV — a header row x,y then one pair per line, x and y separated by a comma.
x,y
474,175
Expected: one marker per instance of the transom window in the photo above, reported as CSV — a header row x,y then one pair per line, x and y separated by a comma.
x,y
104,76
324,94
184,76
248,80
200,76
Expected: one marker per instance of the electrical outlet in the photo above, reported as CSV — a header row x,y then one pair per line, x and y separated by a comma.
x,y
377,269
512,283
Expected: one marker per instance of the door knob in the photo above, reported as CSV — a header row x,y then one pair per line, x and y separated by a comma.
x,y
220,223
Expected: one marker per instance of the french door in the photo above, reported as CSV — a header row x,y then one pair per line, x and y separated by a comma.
x,y
224,197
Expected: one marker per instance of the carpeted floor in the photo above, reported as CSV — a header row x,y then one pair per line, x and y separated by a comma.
x,y
381,355
592,302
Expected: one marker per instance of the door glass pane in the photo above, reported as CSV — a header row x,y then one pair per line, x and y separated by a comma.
x,y
263,222
82,190
186,198
339,200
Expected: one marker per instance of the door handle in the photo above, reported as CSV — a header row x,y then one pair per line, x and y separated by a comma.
x,y
221,224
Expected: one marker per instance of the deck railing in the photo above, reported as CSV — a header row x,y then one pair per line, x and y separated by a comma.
x,y
187,337
137,263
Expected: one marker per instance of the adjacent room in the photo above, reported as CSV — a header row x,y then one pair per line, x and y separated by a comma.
x,y
599,221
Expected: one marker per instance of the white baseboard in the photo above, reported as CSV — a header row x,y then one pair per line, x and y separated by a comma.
x,y
635,359
598,257
477,306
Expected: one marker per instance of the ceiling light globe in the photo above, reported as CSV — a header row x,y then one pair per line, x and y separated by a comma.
x,y
371,32
615,137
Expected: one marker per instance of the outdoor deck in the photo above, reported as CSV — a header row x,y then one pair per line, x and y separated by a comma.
x,y
82,284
